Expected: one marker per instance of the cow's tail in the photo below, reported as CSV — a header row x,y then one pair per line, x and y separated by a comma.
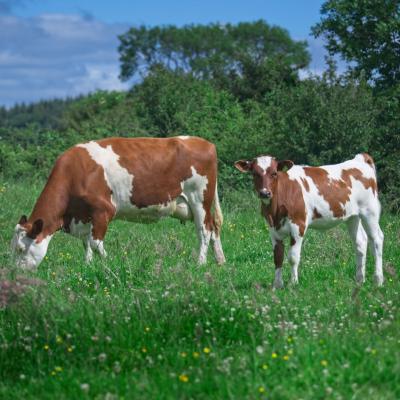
x,y
218,218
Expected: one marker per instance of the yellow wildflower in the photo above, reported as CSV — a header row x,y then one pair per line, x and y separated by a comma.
x,y
196,354
261,389
324,363
207,350
183,354
264,366
58,369
274,355
46,347
144,350
183,378
59,339
286,357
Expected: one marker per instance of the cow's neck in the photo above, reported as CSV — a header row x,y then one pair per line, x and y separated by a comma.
x,y
51,206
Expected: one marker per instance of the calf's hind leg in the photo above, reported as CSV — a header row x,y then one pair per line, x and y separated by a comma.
x,y
360,241
375,235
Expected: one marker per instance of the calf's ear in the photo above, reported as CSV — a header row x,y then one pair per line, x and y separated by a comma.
x,y
37,227
23,220
282,164
243,165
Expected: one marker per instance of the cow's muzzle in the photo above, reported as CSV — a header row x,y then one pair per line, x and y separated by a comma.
x,y
265,194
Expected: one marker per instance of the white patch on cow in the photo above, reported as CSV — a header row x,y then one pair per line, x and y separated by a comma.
x,y
27,252
264,162
184,137
118,179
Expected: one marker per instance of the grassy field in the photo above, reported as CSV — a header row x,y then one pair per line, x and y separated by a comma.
x,y
148,323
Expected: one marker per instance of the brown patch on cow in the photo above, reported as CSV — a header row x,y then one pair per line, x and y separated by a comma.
x,y
335,192
305,184
278,254
287,202
316,214
368,183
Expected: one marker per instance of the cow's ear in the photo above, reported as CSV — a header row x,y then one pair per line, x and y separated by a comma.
x,y
285,164
243,165
37,227
23,220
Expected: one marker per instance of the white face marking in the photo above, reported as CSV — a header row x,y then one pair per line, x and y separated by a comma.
x,y
119,180
264,162
28,254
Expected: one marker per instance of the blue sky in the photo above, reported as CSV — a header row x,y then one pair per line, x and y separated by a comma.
x,y
59,48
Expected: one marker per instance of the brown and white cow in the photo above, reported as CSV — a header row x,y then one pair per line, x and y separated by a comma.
x,y
140,180
318,197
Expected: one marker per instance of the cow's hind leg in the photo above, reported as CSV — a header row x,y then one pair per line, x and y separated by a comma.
x,y
370,222
360,241
203,221
215,236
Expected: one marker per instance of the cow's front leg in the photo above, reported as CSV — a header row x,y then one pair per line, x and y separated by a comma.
x,y
96,237
294,257
88,249
278,260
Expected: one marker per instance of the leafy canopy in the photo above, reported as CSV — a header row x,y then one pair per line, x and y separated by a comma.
x,y
364,32
243,58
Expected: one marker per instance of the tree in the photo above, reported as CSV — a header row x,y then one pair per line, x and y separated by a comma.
x,y
365,33
247,58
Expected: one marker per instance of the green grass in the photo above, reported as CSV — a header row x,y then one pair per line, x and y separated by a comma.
x,y
149,323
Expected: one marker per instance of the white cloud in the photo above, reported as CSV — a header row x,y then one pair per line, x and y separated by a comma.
x,y
56,55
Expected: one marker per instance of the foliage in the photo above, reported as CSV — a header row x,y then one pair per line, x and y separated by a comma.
x,y
366,32
321,122
148,320
247,59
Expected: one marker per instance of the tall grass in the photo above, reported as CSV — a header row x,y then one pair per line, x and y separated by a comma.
x,y
149,323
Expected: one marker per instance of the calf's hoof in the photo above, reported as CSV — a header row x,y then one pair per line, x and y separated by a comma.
x,y
277,285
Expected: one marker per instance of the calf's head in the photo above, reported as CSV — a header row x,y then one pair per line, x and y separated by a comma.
x,y
265,174
28,244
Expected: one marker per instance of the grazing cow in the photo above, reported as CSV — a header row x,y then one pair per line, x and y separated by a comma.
x,y
139,180
320,198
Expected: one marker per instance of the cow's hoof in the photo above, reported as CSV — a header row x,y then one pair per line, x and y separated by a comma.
x,y
379,280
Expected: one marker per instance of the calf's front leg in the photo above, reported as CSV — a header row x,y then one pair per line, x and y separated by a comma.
x,y
278,260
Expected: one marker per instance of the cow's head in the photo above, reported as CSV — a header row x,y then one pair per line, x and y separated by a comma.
x,y
265,174
28,244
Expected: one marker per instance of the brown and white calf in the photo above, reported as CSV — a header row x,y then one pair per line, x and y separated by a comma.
x,y
140,180
318,197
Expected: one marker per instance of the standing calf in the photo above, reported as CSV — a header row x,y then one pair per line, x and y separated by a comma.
x,y
318,197
139,180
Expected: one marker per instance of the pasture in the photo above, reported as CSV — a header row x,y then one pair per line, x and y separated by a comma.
x,y
149,323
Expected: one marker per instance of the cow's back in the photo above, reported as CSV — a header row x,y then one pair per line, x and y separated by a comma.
x,y
141,172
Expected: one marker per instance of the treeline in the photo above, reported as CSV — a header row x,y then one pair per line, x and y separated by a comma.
x,y
241,90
